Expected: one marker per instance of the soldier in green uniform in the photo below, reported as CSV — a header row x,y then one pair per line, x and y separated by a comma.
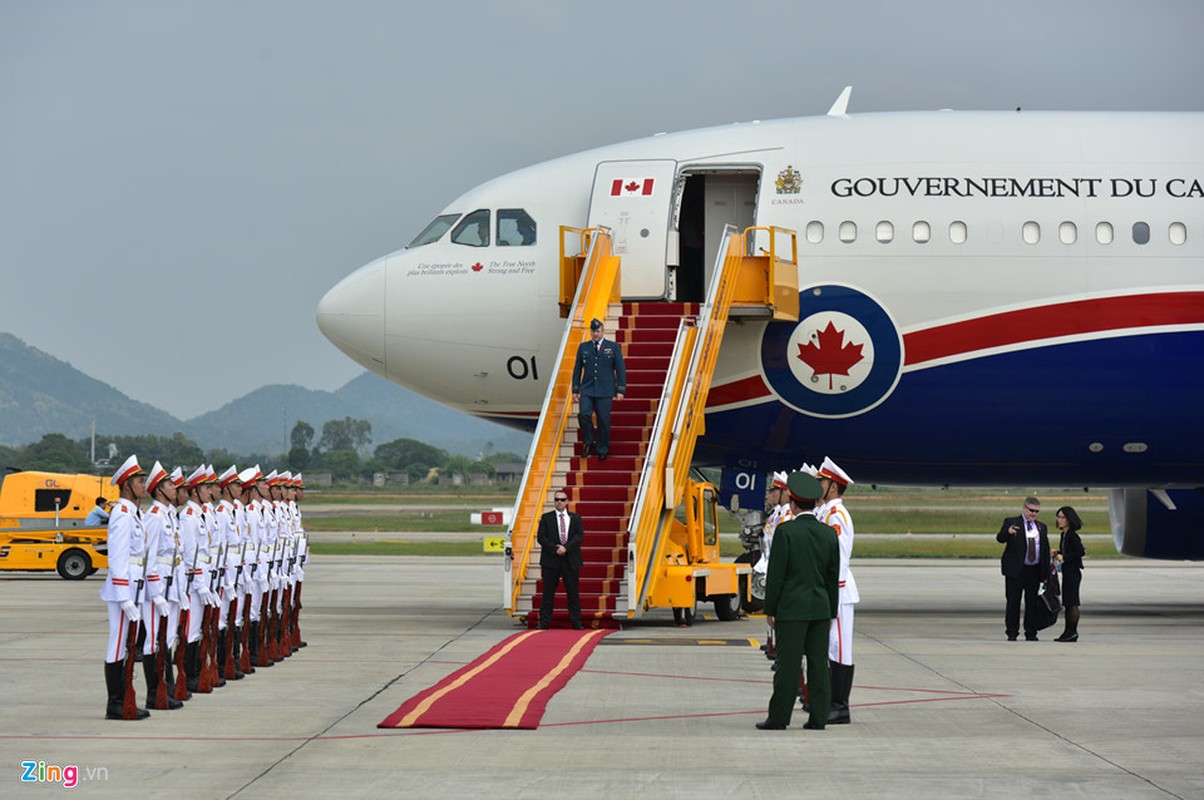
x,y
802,594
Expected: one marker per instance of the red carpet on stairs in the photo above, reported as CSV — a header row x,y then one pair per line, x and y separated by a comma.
x,y
507,687
603,492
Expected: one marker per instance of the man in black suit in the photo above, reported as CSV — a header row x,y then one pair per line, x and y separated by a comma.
x,y
560,536
1024,563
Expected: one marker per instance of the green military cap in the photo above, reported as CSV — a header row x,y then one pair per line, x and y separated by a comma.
x,y
804,488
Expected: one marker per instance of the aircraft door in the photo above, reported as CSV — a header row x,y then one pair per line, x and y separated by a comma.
x,y
635,200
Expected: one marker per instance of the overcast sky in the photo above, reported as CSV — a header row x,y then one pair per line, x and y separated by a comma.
x,y
180,182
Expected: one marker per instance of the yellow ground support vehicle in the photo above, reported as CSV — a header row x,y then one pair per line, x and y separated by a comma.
x,y
690,567
42,523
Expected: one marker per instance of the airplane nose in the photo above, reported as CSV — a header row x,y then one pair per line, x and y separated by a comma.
x,y
352,315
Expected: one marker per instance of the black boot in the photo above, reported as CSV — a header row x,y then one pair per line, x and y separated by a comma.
x,y
253,643
842,685
236,652
115,685
192,664
169,675
152,684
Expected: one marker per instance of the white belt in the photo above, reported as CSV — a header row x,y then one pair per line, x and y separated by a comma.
x,y
167,561
206,559
139,560
266,549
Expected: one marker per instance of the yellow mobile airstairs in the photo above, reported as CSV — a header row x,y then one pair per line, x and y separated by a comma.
x,y
651,533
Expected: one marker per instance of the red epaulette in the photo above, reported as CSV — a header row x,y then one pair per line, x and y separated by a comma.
x,y
154,509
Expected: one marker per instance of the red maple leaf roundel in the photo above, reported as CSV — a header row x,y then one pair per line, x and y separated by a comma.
x,y
831,356
477,267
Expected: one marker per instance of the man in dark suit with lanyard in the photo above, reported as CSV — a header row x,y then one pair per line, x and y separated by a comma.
x,y
599,376
1025,564
560,535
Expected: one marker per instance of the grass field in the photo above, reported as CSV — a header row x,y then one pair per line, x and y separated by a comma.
x,y
953,523
916,546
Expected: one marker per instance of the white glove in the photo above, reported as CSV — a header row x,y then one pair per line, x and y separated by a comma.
x,y
130,608
160,603
204,594
215,599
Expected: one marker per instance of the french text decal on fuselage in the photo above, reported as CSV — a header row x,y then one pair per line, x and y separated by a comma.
x,y
842,358
984,186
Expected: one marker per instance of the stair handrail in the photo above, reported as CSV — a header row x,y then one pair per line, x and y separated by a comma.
x,y
712,321
597,289
643,525
646,531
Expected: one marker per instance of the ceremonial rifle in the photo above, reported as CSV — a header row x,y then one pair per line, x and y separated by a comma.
x,y
161,645
268,609
296,610
182,632
231,671
244,653
129,708
203,673
214,615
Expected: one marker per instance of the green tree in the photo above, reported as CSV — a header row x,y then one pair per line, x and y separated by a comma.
x,y
345,434
176,450
343,464
299,459
302,435
415,457
55,453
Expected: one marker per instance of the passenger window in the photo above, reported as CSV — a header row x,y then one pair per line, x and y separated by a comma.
x,y
473,230
885,232
437,228
921,232
815,232
957,232
1141,232
1031,232
1103,233
515,228
1068,233
1178,233
848,231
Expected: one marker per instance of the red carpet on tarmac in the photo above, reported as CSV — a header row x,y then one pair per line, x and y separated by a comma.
x,y
507,687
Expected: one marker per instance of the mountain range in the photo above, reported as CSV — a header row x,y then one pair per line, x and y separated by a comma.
x,y
40,394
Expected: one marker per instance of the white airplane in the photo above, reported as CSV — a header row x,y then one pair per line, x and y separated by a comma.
x,y
986,298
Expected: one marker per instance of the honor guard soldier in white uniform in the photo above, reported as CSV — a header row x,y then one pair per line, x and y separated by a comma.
x,y
127,570
162,620
249,547
260,520
833,513
228,621
209,494
779,512
194,538
302,556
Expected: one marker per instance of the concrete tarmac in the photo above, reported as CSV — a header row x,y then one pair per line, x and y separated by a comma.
x,y
943,705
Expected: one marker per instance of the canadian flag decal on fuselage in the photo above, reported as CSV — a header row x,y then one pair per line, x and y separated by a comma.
x,y
621,186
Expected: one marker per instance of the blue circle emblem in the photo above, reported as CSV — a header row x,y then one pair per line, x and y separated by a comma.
x,y
842,358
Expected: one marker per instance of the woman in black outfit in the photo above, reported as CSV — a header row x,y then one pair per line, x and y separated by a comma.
x,y
1070,555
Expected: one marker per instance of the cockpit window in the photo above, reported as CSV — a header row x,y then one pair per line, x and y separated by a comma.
x,y
473,230
515,228
437,228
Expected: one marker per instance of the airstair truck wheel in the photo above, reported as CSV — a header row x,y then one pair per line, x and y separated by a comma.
x,y
74,565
